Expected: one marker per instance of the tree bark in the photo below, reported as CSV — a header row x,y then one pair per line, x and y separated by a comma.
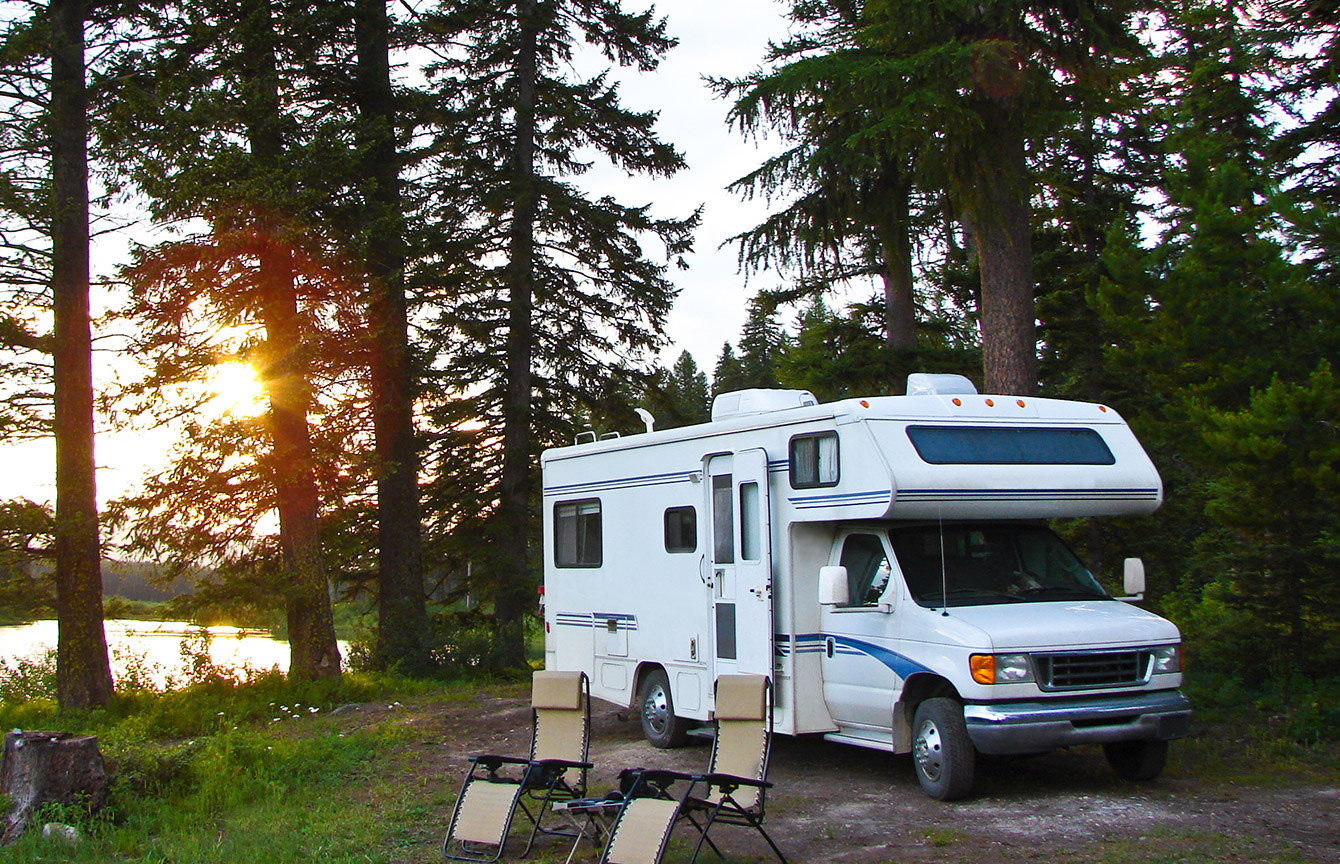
x,y
402,618
83,674
513,578
38,768
900,318
1000,214
314,651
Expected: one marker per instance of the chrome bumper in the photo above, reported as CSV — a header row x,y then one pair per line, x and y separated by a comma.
x,y
1034,727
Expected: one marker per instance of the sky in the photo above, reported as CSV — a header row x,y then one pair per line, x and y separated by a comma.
x,y
723,38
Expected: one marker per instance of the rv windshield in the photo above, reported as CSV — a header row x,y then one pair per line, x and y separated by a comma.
x,y
987,562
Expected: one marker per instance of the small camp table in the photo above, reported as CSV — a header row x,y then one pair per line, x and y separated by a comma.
x,y
589,814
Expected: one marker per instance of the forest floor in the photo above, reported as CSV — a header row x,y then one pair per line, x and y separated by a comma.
x,y
1221,799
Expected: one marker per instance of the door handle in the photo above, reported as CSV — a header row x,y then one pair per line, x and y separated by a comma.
x,y
828,646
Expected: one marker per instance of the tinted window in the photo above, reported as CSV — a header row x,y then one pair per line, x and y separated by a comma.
x,y
995,445
681,529
577,533
814,460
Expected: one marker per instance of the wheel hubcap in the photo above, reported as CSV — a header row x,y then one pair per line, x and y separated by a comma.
x,y
656,710
927,750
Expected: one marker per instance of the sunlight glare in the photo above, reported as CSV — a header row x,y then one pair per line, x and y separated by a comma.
x,y
237,390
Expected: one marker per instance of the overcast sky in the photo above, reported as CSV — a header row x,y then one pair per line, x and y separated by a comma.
x,y
722,38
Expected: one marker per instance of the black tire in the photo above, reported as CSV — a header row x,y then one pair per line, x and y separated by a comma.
x,y
1137,761
942,752
657,712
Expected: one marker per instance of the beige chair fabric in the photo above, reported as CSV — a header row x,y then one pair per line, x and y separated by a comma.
x,y
640,834
496,787
642,828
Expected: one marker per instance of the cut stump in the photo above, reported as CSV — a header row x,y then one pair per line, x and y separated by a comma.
x,y
39,768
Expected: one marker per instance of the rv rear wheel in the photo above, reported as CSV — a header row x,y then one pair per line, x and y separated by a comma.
x,y
659,723
1137,760
941,749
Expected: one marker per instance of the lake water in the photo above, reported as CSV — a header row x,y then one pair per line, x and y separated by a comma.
x,y
155,647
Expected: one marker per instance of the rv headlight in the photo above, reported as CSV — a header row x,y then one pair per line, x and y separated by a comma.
x,y
1000,668
1167,659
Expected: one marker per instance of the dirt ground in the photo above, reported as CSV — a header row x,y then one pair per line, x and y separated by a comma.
x,y
837,803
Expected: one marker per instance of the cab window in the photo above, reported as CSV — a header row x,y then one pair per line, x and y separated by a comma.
x,y
868,569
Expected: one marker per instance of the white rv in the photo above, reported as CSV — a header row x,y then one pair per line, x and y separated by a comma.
x,y
885,560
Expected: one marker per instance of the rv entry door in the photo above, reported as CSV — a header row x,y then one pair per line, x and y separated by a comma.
x,y
741,563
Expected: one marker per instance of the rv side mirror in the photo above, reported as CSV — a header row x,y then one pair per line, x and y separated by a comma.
x,y
1134,578
833,586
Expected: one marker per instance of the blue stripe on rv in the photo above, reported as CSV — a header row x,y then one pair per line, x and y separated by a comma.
x,y
900,665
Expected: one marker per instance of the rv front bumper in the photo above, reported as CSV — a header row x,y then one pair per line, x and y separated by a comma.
x,y
1033,727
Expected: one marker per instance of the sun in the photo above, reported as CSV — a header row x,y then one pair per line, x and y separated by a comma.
x,y
236,390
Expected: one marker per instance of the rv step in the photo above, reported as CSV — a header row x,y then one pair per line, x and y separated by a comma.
x,y
883,743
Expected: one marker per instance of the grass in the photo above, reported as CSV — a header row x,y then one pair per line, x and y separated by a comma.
x,y
261,769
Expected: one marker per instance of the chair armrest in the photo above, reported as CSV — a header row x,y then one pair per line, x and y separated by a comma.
x,y
493,763
562,763
730,781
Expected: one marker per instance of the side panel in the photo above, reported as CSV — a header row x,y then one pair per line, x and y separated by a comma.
x,y
645,599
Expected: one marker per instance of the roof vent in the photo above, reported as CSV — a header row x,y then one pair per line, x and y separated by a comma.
x,y
930,384
743,403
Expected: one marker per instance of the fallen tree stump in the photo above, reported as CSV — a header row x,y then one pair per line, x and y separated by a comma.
x,y
38,768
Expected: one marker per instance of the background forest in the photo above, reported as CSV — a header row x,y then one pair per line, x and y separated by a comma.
x,y
378,209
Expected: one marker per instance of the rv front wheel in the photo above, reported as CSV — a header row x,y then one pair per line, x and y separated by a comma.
x,y
941,749
659,723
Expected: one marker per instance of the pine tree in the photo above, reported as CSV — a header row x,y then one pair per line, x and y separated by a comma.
x,y
83,674
549,281
401,620
849,210
210,130
728,375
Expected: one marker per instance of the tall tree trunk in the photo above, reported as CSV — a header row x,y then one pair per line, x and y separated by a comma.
x,y
511,596
314,652
1000,211
83,675
900,318
402,619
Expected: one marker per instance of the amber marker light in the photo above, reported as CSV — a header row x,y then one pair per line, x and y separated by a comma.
x,y
865,404
957,401
1019,402
990,403
983,668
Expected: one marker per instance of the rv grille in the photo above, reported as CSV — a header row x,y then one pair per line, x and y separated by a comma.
x,y
1093,669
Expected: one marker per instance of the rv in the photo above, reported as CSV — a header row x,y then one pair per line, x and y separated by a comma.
x,y
885,561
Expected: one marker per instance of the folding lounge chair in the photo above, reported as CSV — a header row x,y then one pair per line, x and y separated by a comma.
x,y
732,792
496,786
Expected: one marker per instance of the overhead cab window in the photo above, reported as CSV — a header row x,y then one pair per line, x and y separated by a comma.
x,y
1003,445
577,533
814,460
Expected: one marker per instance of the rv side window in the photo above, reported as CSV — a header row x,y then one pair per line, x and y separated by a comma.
x,y
814,460
577,533
681,529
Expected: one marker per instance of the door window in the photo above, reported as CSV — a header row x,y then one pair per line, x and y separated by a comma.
x,y
723,520
749,522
